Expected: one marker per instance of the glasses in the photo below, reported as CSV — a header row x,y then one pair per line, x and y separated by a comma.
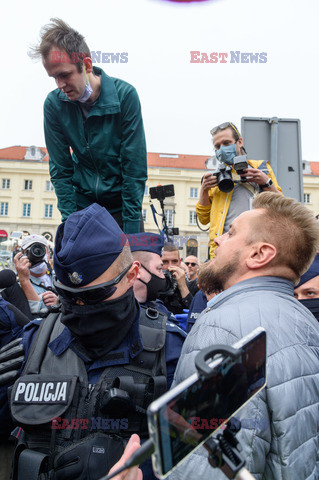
x,y
89,295
193,264
224,125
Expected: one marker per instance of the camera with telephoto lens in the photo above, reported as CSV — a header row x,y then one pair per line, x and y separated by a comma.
x,y
35,253
224,176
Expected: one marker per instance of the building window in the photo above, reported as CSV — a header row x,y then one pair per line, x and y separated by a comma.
x,y
146,191
48,210
194,192
48,236
169,217
26,211
192,247
5,183
3,209
192,218
48,186
306,198
28,184
144,214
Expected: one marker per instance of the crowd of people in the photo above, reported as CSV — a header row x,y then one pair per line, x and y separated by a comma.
x,y
87,346
113,333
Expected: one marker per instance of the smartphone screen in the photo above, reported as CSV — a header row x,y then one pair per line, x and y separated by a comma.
x,y
195,413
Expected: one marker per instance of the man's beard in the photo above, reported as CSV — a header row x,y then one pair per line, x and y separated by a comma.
x,y
212,279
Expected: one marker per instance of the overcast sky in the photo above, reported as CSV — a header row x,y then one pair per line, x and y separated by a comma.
x,y
181,101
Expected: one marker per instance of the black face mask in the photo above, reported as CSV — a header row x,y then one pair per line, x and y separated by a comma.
x,y
313,305
155,286
100,328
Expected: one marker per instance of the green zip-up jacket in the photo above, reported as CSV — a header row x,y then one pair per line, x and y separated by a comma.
x,y
107,164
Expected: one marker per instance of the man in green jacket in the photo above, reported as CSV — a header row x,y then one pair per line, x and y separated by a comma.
x,y
93,131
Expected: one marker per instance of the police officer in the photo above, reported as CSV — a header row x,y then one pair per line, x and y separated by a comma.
x,y
147,248
91,371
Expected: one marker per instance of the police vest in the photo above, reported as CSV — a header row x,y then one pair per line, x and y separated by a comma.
x,y
57,408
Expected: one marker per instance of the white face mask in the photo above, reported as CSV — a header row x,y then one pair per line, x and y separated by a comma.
x,y
87,90
40,267
86,93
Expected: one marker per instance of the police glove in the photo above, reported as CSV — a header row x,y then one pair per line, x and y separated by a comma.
x,y
11,359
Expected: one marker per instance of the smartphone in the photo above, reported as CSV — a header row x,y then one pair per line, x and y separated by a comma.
x,y
186,416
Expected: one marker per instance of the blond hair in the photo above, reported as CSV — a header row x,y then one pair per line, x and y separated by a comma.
x,y
124,260
290,227
143,257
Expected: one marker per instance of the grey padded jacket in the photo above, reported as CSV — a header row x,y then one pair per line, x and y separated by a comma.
x,y
280,425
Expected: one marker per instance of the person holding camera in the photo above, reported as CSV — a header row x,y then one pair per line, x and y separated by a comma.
x,y
180,293
35,274
229,191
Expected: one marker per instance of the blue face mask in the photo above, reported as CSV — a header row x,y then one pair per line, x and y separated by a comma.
x,y
226,154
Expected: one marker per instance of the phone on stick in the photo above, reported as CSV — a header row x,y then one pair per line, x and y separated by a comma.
x,y
186,416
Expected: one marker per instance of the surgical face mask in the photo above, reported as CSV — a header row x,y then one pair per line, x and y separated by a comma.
x,y
227,154
87,90
86,94
40,267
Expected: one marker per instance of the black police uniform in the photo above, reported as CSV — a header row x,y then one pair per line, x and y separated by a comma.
x,y
64,418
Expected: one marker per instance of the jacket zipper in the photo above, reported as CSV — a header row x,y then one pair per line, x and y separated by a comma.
x,y
87,402
89,151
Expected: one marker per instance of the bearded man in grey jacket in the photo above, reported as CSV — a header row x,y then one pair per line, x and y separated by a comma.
x,y
257,263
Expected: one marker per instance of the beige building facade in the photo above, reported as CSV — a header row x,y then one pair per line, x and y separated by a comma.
x,y
311,185
27,199
28,202
185,173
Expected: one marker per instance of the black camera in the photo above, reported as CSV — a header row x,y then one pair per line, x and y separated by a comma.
x,y
35,253
224,175
162,191
224,178
171,284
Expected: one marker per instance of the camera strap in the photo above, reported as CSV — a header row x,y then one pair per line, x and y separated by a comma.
x,y
48,289
154,212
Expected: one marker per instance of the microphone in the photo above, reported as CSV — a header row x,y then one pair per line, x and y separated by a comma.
x,y
7,278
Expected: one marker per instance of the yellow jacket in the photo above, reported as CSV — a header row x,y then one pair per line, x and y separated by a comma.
x,y
216,213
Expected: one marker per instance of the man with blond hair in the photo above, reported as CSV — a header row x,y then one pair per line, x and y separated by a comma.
x,y
258,261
